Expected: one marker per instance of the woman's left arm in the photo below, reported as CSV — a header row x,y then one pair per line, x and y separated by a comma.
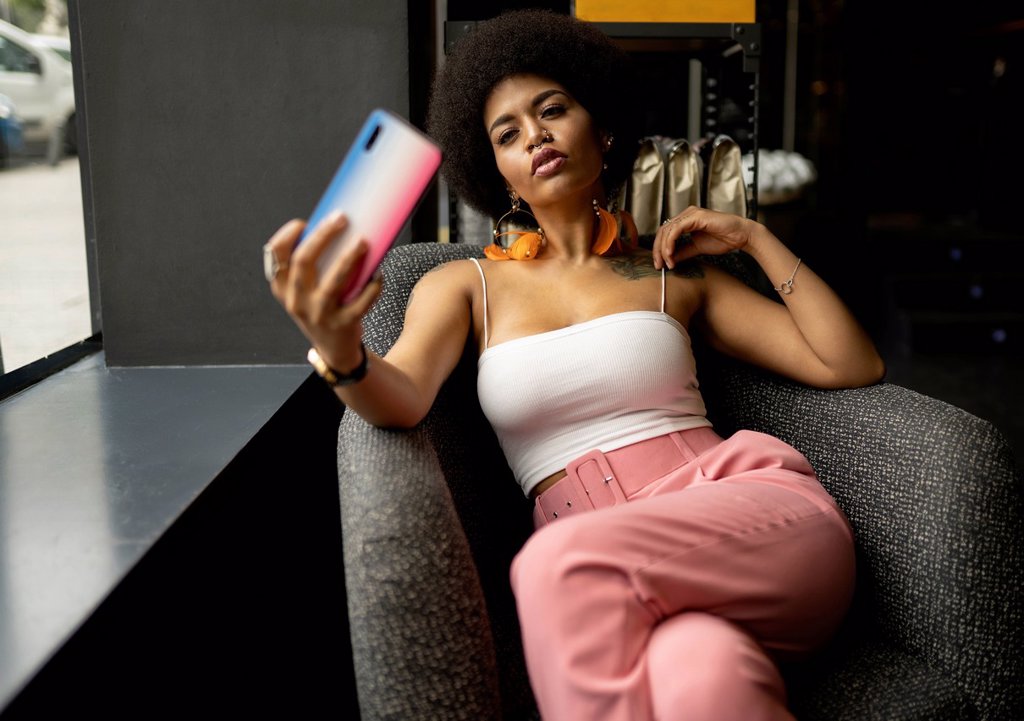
x,y
811,337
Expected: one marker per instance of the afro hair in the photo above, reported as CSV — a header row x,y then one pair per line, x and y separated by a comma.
x,y
571,52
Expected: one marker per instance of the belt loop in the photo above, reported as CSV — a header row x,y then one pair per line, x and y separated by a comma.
x,y
685,449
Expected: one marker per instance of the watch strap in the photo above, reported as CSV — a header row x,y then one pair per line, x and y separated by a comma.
x,y
334,377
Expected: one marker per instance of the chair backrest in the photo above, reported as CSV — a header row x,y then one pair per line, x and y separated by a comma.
x,y
472,462
930,490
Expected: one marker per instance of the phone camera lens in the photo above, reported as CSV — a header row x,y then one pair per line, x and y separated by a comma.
x,y
373,138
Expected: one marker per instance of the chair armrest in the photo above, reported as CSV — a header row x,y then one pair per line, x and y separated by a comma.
x,y
935,501
421,640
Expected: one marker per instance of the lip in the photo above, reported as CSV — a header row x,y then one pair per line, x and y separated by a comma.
x,y
543,160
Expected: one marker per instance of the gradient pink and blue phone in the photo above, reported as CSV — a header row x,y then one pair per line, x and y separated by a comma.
x,y
378,186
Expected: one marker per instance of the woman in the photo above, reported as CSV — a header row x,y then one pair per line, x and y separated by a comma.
x,y
670,567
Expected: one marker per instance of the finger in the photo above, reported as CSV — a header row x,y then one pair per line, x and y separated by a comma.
x,y
337,275
282,242
664,243
659,239
692,217
667,247
333,316
328,306
654,249
655,245
307,254
302,278
279,248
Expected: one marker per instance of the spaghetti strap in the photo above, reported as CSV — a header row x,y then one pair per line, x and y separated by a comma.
x,y
662,289
483,280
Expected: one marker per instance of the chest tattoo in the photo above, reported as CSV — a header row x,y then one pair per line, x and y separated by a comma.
x,y
639,265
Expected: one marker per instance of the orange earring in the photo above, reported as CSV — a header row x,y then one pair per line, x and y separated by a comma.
x,y
526,246
615,233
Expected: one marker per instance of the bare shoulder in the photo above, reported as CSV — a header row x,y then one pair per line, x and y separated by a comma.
x,y
455,274
445,284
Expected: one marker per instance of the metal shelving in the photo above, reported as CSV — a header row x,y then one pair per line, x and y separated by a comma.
x,y
713,46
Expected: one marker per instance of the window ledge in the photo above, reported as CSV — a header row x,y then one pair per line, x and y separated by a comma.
x,y
96,464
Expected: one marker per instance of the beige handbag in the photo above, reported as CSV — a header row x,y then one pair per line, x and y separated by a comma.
x,y
726,188
645,197
666,180
683,175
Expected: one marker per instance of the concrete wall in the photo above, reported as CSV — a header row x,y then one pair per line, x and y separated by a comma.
x,y
208,125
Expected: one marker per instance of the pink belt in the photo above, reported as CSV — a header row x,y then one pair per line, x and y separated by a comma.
x,y
597,480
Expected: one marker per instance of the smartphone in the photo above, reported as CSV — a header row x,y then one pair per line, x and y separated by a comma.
x,y
378,186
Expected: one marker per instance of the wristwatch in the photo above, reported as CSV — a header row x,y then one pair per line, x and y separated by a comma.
x,y
337,378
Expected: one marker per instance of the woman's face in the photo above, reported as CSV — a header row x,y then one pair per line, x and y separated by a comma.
x,y
520,111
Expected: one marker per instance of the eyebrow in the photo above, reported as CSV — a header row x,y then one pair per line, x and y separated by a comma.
x,y
540,98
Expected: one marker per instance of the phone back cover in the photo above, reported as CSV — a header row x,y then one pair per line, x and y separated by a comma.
x,y
378,186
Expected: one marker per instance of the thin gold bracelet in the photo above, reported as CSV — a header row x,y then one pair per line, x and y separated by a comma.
x,y
787,286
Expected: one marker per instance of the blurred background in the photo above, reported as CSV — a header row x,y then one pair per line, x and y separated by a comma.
x,y
206,125
44,283
908,115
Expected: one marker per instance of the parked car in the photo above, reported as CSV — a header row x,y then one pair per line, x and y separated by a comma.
x,y
10,130
39,82
60,45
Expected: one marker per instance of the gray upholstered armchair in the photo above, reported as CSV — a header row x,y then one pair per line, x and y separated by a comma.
x,y
432,518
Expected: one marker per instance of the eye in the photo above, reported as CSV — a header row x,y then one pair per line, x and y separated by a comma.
x,y
551,111
507,136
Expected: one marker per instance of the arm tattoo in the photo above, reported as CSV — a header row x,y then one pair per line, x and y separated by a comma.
x,y
639,265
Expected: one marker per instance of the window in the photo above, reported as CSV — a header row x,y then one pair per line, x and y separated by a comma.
x,y
16,59
45,303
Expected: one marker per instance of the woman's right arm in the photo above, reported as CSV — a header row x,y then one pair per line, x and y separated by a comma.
x,y
398,389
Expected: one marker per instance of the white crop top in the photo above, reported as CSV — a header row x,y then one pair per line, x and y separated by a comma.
x,y
601,384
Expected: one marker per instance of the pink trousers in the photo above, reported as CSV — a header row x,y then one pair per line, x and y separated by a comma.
x,y
704,560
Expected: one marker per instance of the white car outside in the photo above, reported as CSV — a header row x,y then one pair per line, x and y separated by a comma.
x,y
39,82
60,45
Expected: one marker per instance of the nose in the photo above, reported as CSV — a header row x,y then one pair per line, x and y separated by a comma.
x,y
537,139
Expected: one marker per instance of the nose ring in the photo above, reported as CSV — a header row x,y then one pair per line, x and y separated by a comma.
x,y
546,139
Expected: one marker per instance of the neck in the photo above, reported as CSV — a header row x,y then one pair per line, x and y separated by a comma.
x,y
569,228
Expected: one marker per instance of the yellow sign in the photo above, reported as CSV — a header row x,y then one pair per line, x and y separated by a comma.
x,y
666,11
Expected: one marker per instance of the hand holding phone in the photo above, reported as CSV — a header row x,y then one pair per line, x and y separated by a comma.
x,y
378,186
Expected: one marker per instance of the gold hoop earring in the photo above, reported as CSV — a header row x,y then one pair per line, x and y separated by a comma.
x,y
527,244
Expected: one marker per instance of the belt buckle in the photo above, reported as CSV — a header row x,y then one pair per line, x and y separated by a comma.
x,y
565,498
596,478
